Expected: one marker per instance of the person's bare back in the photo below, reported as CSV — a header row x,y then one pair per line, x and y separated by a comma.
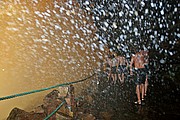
x,y
138,60
121,60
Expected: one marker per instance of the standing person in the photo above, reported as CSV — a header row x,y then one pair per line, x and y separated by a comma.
x,y
146,65
121,67
108,67
113,68
138,60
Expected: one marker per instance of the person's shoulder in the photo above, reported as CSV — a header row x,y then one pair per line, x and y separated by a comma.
x,y
133,55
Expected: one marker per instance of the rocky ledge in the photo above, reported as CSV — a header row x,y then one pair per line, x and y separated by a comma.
x,y
50,102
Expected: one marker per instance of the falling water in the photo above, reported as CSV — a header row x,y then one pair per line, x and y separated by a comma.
x,y
45,42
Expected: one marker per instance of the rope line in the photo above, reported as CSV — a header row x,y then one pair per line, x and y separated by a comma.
x,y
44,89
50,115
55,111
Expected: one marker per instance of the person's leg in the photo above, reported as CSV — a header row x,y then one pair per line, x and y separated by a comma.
x,y
123,73
143,79
119,74
115,77
137,82
142,91
112,76
146,81
140,88
146,85
109,75
121,80
109,72
122,76
138,94
119,77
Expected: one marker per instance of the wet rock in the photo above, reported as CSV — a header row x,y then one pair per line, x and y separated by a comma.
x,y
89,99
87,117
51,97
62,117
106,115
62,91
18,114
50,102
39,109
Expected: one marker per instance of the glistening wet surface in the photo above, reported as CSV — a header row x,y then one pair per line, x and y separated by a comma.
x,y
45,42
117,101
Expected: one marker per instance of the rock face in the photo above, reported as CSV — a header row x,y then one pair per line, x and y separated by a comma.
x,y
50,102
18,114
84,107
108,102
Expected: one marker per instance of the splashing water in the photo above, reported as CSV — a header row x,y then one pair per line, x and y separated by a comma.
x,y
44,43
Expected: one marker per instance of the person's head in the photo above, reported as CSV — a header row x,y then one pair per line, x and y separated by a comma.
x,y
119,53
134,50
141,49
109,56
113,56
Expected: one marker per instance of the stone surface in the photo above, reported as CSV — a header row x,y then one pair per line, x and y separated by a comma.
x,y
50,102
18,114
111,102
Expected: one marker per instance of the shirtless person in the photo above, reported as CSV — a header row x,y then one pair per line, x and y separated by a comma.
x,y
138,60
121,67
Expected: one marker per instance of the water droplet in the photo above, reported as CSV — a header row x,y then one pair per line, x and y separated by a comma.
x,y
162,61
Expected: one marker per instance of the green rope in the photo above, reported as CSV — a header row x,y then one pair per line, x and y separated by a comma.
x,y
55,110
44,89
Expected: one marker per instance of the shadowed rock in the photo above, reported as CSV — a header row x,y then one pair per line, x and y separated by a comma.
x,y
18,114
50,102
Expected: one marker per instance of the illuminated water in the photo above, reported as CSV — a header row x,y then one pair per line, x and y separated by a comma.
x,y
45,42
42,44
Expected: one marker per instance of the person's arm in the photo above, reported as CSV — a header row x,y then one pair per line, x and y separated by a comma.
x,y
127,64
104,65
117,64
146,58
110,64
